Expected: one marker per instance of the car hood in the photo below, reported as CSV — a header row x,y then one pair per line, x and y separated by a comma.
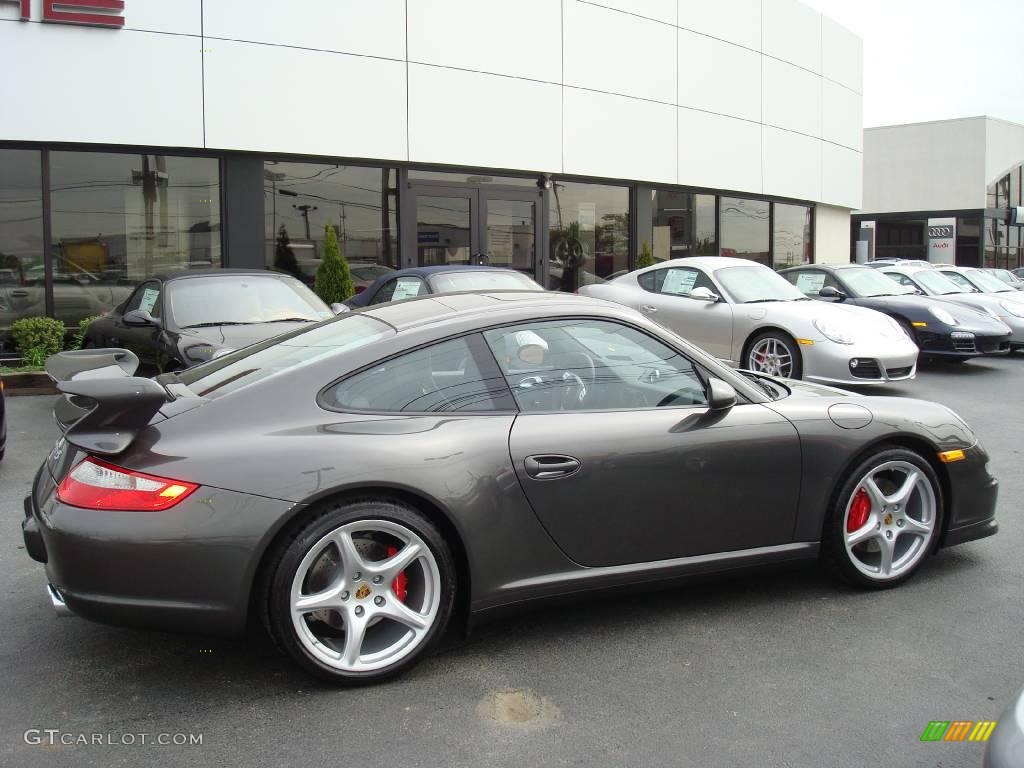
x,y
238,336
797,317
918,308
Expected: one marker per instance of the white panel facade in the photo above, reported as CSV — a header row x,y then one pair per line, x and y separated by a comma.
x,y
716,151
841,175
842,55
616,52
355,102
737,21
783,176
792,98
354,26
507,133
142,87
792,32
507,84
735,90
842,115
488,36
831,235
616,137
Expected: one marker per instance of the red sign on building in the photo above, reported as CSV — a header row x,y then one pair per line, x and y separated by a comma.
x,y
76,12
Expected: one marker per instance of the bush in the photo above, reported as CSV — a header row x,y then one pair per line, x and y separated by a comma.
x,y
284,256
333,278
79,338
646,258
37,338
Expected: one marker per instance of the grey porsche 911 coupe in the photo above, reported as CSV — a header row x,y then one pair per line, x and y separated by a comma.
x,y
363,483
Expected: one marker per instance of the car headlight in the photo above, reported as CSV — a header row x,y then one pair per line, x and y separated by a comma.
x,y
834,332
1017,310
942,315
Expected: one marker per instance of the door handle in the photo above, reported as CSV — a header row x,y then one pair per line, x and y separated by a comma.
x,y
548,466
648,309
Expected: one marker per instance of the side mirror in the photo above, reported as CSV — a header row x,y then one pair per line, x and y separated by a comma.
x,y
721,395
339,309
703,294
140,317
828,292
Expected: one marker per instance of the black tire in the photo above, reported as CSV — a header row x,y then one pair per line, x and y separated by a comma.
x,y
288,556
797,371
835,556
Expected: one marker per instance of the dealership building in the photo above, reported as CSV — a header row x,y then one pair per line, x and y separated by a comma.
x,y
552,136
945,191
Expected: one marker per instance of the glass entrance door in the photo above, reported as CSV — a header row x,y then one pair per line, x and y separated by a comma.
x,y
467,224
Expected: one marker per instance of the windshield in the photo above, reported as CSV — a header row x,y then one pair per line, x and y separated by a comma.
x,y
757,283
242,299
937,283
481,280
282,353
965,285
987,282
866,282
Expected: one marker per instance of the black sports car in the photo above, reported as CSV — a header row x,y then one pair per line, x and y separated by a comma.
x,y
445,278
940,328
177,320
359,483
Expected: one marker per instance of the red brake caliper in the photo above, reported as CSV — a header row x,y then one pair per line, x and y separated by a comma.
x,y
401,581
859,511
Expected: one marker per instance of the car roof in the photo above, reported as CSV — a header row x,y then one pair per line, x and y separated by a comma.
x,y
424,271
214,272
707,263
431,308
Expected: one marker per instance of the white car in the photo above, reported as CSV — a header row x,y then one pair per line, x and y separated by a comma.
x,y
751,317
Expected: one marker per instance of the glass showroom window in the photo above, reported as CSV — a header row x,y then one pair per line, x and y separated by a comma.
x,y
968,237
745,229
589,234
684,224
22,287
301,199
119,218
791,236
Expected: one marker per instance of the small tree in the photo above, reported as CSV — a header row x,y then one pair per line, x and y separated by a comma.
x,y
646,258
333,277
284,256
37,338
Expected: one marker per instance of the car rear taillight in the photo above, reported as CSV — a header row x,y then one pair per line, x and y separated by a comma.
x,y
95,484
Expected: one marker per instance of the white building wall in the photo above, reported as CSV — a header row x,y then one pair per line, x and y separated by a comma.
x,y
831,235
753,96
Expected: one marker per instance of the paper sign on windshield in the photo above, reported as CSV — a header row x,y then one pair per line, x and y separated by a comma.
x,y
149,297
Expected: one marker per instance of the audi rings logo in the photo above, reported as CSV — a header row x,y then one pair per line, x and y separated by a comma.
x,y
943,232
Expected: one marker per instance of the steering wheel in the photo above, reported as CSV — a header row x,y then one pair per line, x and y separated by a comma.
x,y
571,392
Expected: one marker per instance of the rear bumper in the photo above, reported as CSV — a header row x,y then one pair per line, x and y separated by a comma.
x,y
188,569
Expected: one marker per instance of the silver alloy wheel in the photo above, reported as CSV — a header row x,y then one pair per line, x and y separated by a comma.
x,y
900,523
771,356
345,609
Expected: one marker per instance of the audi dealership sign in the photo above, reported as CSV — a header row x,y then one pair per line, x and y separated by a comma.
x,y
93,13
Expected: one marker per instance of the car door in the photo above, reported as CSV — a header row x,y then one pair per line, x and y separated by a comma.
x,y
638,468
144,340
667,299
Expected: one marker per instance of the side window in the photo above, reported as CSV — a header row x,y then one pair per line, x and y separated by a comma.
x,y
653,280
400,288
456,375
809,281
146,297
573,365
901,279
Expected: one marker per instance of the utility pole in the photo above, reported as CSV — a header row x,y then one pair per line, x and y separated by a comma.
x,y
305,209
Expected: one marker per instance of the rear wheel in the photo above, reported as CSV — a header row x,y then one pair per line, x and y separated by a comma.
x,y
885,520
775,354
361,591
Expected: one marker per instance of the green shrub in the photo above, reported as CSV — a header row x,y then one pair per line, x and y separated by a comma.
x,y
37,338
79,338
333,278
646,258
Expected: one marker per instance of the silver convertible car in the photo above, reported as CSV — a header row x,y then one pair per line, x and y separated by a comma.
x,y
361,483
746,314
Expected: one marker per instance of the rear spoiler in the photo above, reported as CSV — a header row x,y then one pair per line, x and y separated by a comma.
x,y
104,406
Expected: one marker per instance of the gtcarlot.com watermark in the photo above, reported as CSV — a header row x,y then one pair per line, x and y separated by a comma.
x,y
52,737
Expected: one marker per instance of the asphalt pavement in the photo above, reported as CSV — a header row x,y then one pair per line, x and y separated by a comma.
x,y
788,669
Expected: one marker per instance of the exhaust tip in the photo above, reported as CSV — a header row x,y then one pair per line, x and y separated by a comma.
x,y
59,606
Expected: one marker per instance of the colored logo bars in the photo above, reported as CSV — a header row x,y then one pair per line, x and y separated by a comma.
x,y
958,730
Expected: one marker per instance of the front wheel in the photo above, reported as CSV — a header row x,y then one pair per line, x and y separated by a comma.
x,y
775,354
885,519
361,591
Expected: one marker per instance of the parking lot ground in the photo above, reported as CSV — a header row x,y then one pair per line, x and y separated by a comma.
x,y
787,669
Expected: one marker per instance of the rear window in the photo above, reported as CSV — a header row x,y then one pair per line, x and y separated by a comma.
x,y
482,280
282,353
